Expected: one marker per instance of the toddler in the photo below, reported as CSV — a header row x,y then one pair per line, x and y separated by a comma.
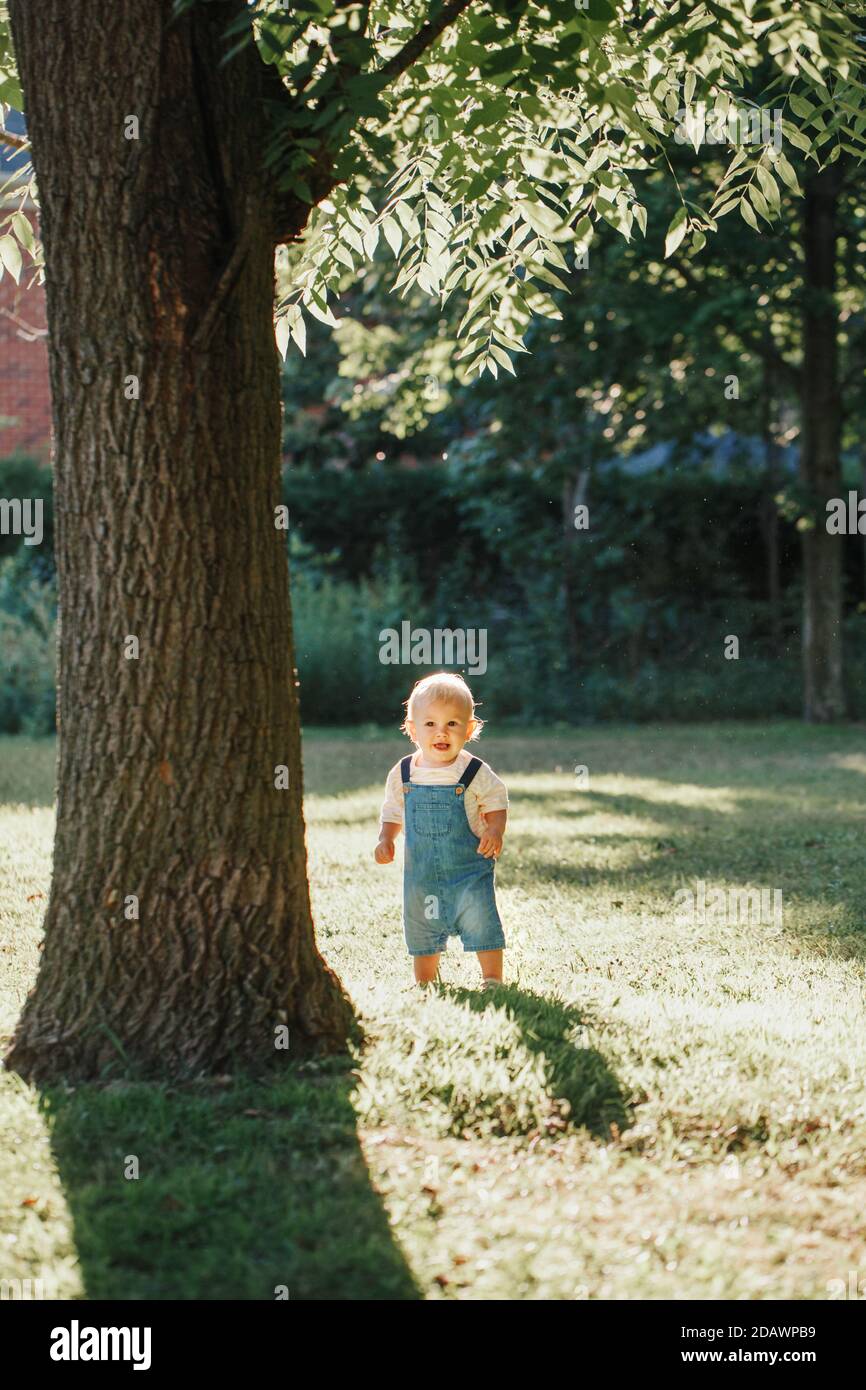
x,y
453,808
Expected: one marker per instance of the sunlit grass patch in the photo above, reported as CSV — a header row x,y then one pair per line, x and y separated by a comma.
x,y
652,1107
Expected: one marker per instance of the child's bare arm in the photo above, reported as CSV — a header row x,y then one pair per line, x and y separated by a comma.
x,y
490,844
388,832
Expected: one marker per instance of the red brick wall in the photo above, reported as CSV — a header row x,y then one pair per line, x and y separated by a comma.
x,y
25,395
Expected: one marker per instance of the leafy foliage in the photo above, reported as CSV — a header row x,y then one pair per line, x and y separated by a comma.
x,y
504,146
504,134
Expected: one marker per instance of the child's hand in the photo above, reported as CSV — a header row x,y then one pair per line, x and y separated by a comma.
x,y
490,844
384,851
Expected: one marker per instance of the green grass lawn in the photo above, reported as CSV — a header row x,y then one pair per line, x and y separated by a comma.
x,y
651,1108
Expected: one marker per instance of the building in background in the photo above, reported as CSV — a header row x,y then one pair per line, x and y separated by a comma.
x,y
25,394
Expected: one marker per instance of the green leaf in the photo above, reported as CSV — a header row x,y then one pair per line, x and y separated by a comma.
x,y
299,332
787,174
583,232
315,304
10,255
393,234
768,188
540,217
734,165
507,340
796,137
542,273
371,240
502,358
541,303
281,332
427,282
23,229
499,60
800,106
350,234
554,256
467,351
271,41
408,273
694,124
808,66
748,215
10,91
676,231
435,220
411,225
759,202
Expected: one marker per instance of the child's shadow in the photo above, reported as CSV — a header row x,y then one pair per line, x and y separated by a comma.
x,y
575,1071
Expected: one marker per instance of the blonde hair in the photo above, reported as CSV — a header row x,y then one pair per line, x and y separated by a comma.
x,y
444,685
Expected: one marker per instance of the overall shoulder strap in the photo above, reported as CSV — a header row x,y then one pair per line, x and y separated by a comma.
x,y
405,765
472,767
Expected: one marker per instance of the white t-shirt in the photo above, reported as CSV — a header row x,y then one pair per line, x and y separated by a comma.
x,y
486,792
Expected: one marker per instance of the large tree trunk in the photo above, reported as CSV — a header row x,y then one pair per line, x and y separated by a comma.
x,y
159,265
820,468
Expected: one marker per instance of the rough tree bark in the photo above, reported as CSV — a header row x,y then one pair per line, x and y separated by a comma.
x,y
820,468
160,266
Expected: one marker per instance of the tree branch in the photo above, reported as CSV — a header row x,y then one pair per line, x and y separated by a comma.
x,y
28,330
427,35
15,142
291,211
226,282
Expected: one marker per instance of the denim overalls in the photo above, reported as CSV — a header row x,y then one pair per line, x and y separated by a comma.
x,y
447,884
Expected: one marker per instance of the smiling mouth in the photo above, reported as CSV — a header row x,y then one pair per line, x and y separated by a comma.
x,y
441,745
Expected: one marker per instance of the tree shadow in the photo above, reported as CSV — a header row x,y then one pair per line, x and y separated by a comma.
x,y
557,1032
245,1187
797,847
237,1188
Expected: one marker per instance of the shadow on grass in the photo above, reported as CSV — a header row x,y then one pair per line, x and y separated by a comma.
x,y
243,1186
554,1031
804,845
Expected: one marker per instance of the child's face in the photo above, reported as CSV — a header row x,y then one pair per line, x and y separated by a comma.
x,y
440,729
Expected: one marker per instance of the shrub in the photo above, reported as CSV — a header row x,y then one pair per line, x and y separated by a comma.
x,y
27,648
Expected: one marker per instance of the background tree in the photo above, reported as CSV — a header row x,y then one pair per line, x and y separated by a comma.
x,y
750,302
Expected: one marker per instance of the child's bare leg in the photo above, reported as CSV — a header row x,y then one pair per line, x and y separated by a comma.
x,y
426,968
491,964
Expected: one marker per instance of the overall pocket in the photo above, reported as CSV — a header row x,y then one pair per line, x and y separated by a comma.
x,y
430,819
